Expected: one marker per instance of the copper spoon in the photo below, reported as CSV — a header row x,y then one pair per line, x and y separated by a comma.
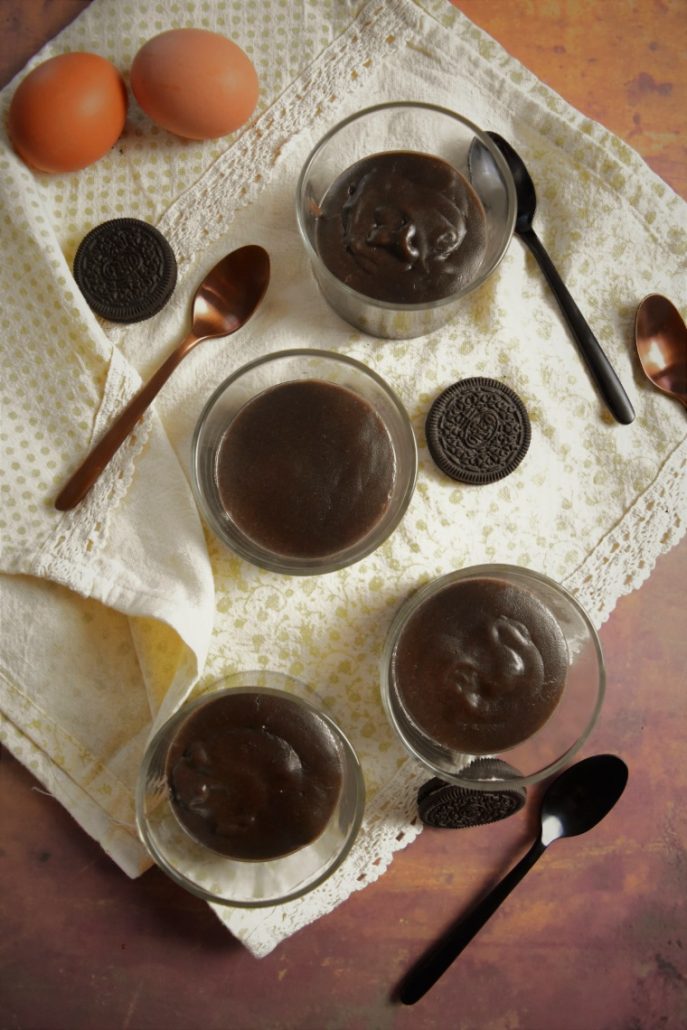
x,y
224,301
661,340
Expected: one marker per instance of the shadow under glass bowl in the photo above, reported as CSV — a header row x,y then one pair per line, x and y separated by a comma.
x,y
379,401
242,883
561,736
403,126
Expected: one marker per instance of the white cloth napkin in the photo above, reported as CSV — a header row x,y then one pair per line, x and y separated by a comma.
x,y
113,614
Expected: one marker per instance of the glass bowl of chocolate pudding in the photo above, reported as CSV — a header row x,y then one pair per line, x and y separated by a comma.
x,y
396,231
304,461
250,795
492,661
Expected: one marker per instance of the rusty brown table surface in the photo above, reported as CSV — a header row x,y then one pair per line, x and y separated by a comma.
x,y
595,937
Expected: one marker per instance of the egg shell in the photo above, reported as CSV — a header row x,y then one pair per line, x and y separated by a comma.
x,y
67,112
194,83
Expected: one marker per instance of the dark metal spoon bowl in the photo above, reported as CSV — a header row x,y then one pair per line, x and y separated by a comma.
x,y
599,367
573,803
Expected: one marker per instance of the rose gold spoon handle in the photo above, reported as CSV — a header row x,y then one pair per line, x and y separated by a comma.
x,y
103,452
223,303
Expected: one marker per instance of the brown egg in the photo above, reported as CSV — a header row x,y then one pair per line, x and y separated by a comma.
x,y
194,83
67,112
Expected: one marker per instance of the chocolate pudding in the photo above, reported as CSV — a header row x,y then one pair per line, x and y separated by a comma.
x,y
480,666
254,776
402,227
306,469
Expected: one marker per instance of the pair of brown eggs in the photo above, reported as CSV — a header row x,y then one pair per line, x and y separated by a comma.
x,y
70,110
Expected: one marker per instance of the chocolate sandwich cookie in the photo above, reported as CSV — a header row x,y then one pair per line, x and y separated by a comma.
x,y
448,806
478,430
125,269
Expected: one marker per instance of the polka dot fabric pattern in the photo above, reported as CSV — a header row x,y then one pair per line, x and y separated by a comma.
x,y
592,504
148,165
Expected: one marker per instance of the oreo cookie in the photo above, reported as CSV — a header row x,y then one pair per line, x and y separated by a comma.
x,y
478,430
449,806
125,269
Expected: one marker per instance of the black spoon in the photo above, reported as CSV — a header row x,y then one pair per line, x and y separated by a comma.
x,y
575,802
599,366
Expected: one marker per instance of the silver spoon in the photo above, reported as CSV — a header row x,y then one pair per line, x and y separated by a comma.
x,y
224,301
573,803
600,368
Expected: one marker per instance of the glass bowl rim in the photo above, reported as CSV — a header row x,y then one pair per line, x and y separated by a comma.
x,y
414,600
318,567
485,140
352,761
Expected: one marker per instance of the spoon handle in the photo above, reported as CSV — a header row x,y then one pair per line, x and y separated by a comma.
x,y
100,456
599,366
436,961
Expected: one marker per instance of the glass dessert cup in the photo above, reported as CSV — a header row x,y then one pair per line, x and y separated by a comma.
x,y
415,127
305,366
246,883
548,748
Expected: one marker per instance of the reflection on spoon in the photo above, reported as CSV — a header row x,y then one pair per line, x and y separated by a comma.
x,y
224,301
661,340
573,803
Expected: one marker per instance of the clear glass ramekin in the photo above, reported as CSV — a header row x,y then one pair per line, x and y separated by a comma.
x,y
229,881
406,126
560,737
272,370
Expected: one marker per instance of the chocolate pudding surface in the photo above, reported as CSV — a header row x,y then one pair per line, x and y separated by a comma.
x,y
480,665
402,227
254,776
306,468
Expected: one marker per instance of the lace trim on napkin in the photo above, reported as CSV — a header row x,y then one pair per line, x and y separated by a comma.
x,y
199,216
85,530
653,525
390,824
67,557
650,528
